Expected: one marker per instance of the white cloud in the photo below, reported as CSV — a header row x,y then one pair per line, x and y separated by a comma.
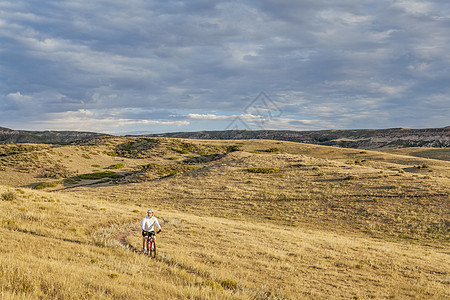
x,y
388,90
209,117
18,96
86,120
414,7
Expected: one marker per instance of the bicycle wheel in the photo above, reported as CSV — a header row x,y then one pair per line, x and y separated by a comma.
x,y
152,249
149,245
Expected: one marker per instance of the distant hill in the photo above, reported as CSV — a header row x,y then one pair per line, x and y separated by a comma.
x,y
45,137
359,138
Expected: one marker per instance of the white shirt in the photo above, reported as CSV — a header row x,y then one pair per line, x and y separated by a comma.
x,y
147,223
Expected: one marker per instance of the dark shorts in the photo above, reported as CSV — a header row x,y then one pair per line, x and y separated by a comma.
x,y
148,233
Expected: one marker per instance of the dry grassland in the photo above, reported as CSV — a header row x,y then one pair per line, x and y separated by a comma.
x,y
274,220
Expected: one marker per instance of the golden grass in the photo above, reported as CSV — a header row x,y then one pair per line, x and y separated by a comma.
x,y
303,232
60,246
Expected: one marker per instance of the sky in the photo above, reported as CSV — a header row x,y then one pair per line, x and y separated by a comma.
x,y
148,66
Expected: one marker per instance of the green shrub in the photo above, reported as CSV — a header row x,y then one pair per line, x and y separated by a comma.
x,y
97,175
128,146
263,170
95,166
70,181
110,153
213,284
273,150
179,150
20,191
117,166
229,284
171,173
44,185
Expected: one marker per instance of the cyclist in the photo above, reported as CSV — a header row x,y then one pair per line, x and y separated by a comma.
x,y
148,223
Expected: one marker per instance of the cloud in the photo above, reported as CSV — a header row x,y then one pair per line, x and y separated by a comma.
x,y
104,122
18,97
209,117
204,61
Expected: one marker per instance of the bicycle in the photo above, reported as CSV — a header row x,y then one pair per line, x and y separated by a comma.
x,y
151,244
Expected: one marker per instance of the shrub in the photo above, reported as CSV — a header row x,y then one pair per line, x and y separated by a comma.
x,y
179,150
229,284
70,181
233,148
128,146
213,284
172,173
263,170
97,175
110,153
56,171
352,177
272,150
44,185
95,166
117,166
150,166
20,191
10,223
9,196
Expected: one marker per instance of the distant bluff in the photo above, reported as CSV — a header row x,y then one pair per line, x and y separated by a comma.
x,y
354,138
358,138
45,137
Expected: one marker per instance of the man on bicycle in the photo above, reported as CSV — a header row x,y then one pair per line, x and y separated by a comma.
x,y
148,228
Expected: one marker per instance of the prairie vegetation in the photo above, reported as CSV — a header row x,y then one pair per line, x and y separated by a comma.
x,y
240,221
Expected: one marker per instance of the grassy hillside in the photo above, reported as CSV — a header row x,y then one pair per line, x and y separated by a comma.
x,y
241,220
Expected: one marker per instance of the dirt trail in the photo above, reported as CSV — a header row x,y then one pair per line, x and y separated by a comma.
x,y
122,238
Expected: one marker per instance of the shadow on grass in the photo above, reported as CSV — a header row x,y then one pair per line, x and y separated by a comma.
x,y
49,237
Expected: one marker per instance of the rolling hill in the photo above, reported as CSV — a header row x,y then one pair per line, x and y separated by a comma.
x,y
242,219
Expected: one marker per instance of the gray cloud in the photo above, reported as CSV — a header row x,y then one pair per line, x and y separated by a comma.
x,y
327,64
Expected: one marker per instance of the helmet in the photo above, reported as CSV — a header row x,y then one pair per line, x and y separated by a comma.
x,y
150,211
